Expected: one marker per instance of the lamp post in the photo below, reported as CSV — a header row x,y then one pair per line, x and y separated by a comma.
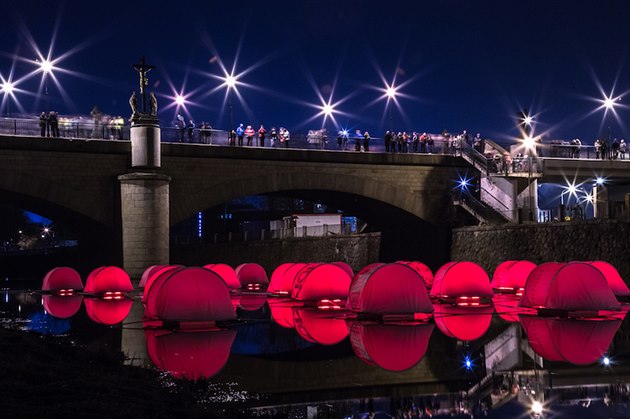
x,y
597,185
530,145
230,82
7,89
390,93
608,104
570,189
46,67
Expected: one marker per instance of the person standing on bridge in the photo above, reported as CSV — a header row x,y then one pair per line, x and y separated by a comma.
x,y
430,143
366,141
357,140
191,130
598,148
181,126
249,133
604,149
614,150
240,131
623,148
261,135
274,136
387,138
285,137
53,121
43,124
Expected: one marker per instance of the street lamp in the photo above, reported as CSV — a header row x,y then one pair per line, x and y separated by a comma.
x,y
390,93
529,143
525,122
46,67
7,88
608,103
230,82
597,185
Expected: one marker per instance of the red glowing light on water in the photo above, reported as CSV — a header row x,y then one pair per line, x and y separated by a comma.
x,y
113,295
327,304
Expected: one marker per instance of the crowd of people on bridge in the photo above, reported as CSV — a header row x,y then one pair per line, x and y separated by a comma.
x,y
188,131
616,150
49,124
99,125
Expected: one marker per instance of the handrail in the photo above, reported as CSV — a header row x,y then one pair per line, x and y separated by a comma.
x,y
495,146
477,208
507,208
472,156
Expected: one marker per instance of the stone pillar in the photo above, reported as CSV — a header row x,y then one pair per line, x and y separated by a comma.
x,y
145,142
133,343
600,201
145,221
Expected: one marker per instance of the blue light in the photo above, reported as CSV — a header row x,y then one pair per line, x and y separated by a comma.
x,y
606,361
463,183
468,363
199,224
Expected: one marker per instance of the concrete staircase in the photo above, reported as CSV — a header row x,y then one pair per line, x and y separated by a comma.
x,y
501,193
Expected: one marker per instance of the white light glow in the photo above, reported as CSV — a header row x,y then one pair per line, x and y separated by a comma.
x,y
7,87
230,81
528,120
46,66
390,92
529,142
180,100
537,407
328,109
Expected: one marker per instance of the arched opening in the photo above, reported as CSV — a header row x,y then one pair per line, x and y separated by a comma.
x,y
403,236
36,236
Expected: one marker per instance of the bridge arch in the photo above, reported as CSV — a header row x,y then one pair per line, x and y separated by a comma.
x,y
403,223
414,203
42,194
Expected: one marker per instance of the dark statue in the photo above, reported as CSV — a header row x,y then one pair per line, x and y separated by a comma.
x,y
133,103
142,68
153,106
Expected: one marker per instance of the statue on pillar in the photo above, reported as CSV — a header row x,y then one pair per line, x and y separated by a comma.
x,y
133,103
153,106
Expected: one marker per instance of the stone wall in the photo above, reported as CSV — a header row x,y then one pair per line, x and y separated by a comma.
x,y
357,250
607,240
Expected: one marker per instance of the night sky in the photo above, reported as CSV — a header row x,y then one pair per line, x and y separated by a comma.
x,y
457,64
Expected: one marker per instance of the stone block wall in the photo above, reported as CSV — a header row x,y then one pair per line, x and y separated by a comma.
x,y
607,240
357,250
144,213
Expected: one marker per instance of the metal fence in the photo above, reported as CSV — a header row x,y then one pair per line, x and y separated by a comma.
x,y
116,129
277,234
68,128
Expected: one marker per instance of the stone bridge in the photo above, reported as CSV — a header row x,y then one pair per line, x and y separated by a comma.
x,y
93,181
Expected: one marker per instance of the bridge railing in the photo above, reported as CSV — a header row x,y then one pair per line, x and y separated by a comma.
x,y
478,209
67,129
276,234
472,156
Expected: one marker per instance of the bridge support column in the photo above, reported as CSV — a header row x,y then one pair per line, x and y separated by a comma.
x,y
501,194
145,221
145,137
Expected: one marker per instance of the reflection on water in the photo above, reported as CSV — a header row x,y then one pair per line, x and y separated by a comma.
x,y
279,356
